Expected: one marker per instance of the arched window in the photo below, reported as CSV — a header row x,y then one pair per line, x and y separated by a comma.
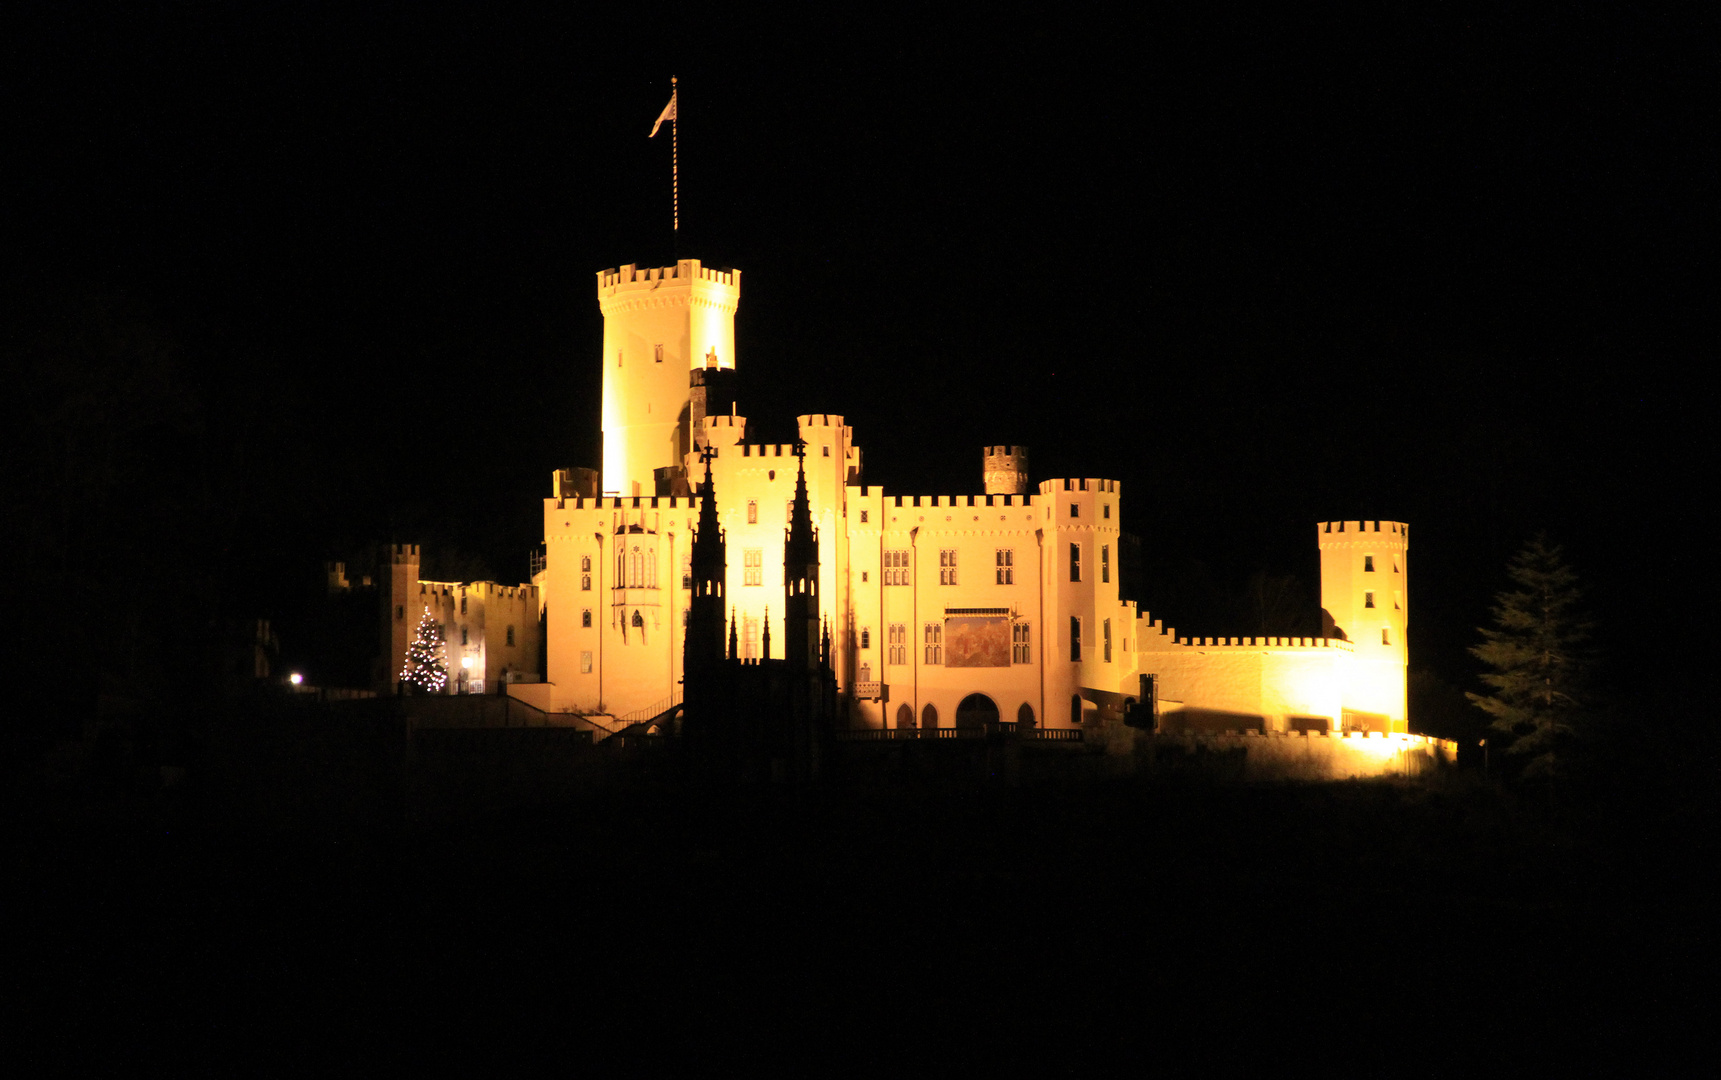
x,y
638,621
929,717
1025,717
752,511
585,564
905,717
586,619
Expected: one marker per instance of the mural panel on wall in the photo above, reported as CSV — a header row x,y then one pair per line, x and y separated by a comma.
x,y
971,641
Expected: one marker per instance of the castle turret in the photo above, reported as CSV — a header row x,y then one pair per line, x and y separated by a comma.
x,y
659,325
400,609
1365,599
1005,470
801,576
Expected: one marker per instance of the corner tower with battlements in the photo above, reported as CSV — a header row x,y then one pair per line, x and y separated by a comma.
x,y
1365,599
660,325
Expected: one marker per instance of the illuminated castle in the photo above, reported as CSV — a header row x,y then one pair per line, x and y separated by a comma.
x,y
951,610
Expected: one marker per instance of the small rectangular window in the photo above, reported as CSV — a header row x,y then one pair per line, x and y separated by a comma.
x,y
827,451
1075,637
510,636
657,353
400,613
1075,510
585,583
863,517
1105,563
1368,564
1108,511
1368,599
585,663
586,619
866,637
1385,636
863,577
463,638
1106,630
1075,562
752,512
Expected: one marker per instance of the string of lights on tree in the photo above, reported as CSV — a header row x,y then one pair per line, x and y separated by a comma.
x,y
426,659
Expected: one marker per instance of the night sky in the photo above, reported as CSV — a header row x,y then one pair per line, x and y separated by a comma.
x,y
1265,268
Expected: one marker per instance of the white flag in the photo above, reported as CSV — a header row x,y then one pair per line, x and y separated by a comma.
x,y
667,114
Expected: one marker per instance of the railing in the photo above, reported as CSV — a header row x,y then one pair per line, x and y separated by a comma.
x,y
1053,734
907,734
650,711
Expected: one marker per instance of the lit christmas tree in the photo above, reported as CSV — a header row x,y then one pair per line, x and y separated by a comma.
x,y
426,667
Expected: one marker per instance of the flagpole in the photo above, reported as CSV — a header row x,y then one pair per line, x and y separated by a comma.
x,y
675,160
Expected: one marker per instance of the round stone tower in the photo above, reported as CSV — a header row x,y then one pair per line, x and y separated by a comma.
x,y
660,324
1006,470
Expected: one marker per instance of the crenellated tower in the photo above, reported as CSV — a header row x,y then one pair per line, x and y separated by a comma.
x,y
660,324
400,609
1005,471
1365,598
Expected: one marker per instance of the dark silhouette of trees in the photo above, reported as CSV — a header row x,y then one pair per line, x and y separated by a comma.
x,y
1537,653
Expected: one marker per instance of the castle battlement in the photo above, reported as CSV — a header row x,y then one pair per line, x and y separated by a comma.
x,y
820,420
1078,484
630,502
1332,532
685,272
930,502
1257,643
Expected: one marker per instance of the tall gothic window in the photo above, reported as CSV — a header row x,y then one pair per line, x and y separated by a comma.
x,y
896,567
947,566
898,641
934,642
1020,650
1105,562
753,568
1075,562
1006,566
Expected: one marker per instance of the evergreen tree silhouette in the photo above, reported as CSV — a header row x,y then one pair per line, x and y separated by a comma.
x,y
1538,654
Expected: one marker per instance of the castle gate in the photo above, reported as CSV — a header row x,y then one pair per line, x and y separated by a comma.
x,y
977,711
